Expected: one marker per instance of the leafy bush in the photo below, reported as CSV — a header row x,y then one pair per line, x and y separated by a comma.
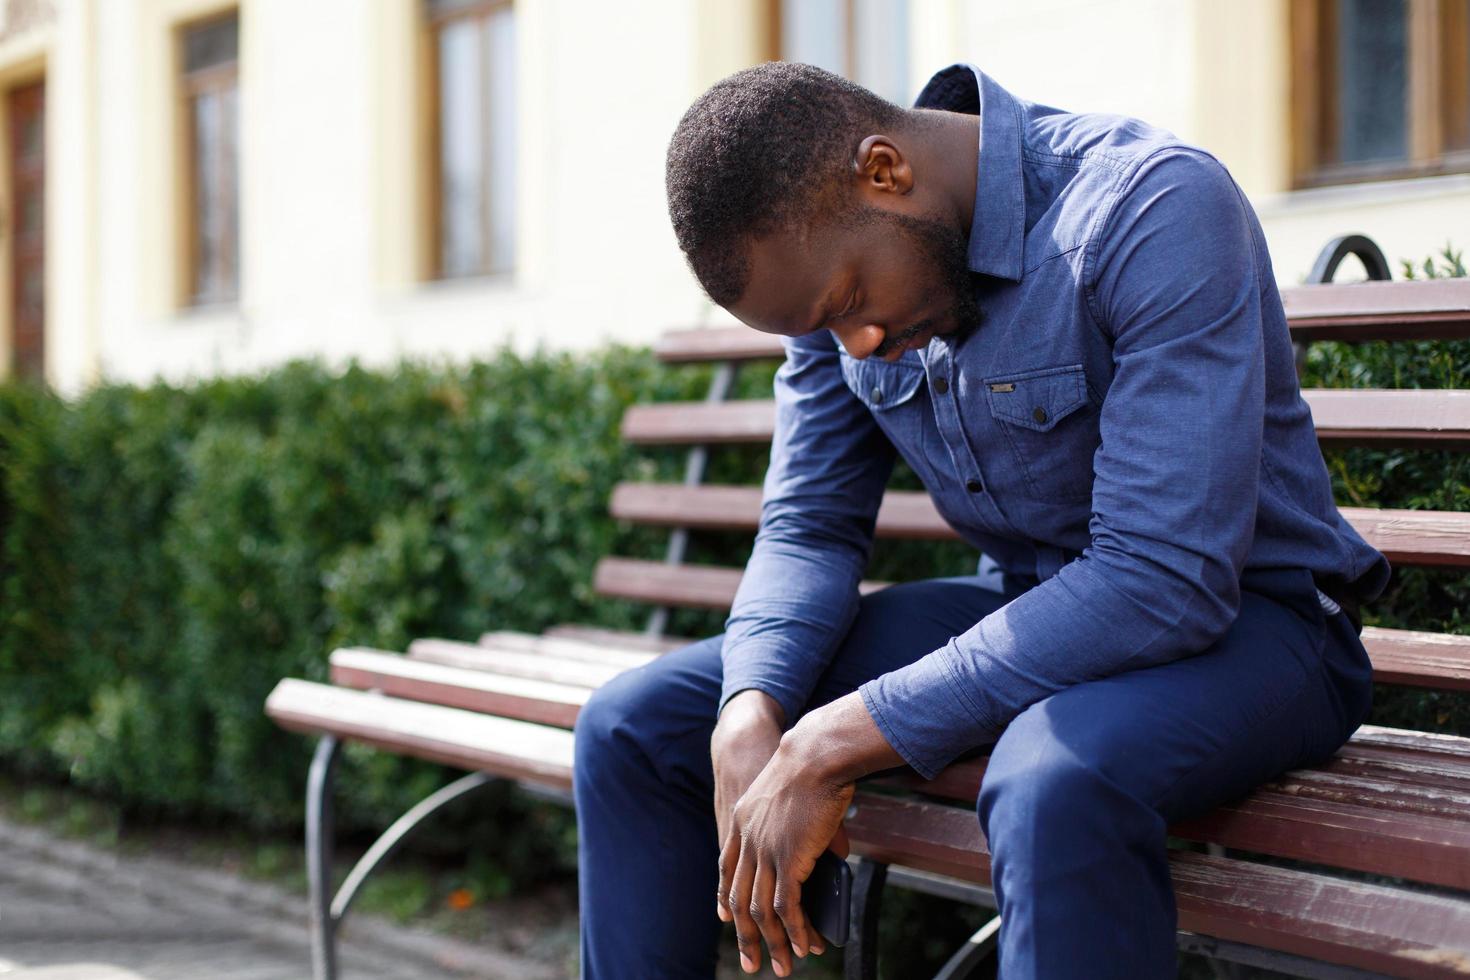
x,y
167,554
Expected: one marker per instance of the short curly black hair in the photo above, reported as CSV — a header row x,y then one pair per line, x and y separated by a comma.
x,y
758,152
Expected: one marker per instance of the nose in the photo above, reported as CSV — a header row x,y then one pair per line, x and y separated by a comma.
x,y
860,340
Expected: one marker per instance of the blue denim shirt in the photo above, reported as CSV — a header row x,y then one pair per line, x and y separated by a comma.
x,y
1123,427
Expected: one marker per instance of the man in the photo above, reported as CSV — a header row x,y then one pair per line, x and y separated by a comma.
x,y
1069,327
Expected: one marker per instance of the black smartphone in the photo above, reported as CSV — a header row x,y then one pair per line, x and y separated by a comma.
x,y
826,898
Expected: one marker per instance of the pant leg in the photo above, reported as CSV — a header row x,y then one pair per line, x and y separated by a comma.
x,y
1081,786
646,850
647,854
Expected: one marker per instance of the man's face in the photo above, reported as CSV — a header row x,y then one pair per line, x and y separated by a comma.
x,y
882,281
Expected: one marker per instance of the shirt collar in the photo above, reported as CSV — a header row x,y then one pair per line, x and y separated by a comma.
x,y
998,231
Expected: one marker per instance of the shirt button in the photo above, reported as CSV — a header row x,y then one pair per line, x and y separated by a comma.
x,y
877,396
1039,415
974,486
941,385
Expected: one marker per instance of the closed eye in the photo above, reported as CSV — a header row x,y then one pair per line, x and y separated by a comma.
x,y
848,309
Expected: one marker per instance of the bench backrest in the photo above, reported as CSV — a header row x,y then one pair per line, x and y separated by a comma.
x,y
1417,419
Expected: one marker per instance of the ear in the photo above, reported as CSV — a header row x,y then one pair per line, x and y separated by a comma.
x,y
881,167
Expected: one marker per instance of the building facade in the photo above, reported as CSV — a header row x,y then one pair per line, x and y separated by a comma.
x,y
195,187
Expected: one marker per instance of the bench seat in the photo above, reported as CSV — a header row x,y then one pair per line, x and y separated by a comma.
x,y
1401,796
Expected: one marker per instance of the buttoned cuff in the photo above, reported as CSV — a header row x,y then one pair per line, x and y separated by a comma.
x,y
925,712
758,677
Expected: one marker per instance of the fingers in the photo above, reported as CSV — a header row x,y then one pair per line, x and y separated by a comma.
x,y
747,934
764,914
839,843
729,856
787,905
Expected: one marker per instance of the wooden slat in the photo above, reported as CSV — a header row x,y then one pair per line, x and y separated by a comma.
x,y
599,636
679,423
620,654
1435,310
1435,419
1452,748
1370,927
903,514
1414,537
1427,847
451,736
1432,310
694,586
1414,657
1354,924
1407,537
475,690
735,343
514,663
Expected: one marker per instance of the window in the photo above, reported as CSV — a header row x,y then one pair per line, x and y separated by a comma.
x,y
864,40
211,95
26,155
1381,88
475,140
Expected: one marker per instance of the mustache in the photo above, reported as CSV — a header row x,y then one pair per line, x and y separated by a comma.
x,y
899,340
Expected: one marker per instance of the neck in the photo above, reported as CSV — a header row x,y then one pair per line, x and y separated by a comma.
x,y
953,151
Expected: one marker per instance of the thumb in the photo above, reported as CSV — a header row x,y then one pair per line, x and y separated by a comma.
x,y
839,844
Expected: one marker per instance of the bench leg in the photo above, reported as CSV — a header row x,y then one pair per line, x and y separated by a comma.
x,y
319,857
977,949
860,955
393,837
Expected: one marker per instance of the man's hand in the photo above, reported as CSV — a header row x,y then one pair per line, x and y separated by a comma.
x,y
780,826
745,738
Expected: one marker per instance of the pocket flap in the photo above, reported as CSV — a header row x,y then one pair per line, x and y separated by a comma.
x,y
882,385
1037,400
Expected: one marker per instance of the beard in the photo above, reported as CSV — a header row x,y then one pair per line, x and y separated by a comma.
x,y
946,251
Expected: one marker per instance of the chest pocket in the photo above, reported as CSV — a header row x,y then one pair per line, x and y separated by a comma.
x,y
1050,419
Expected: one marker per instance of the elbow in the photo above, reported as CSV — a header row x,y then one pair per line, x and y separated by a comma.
x,y
1212,603
823,530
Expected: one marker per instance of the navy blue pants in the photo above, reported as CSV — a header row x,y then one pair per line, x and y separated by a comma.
x,y
1079,789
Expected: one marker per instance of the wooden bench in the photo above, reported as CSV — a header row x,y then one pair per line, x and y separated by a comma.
x,y
1383,828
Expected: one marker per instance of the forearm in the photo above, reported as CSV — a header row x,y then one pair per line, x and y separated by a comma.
x,y
797,599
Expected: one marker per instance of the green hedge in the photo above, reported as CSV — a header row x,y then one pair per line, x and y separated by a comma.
x,y
169,553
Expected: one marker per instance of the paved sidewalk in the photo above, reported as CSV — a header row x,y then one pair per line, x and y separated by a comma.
x,y
70,911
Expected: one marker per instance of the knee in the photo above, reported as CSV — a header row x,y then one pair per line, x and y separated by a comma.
x,y
607,736
1037,788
